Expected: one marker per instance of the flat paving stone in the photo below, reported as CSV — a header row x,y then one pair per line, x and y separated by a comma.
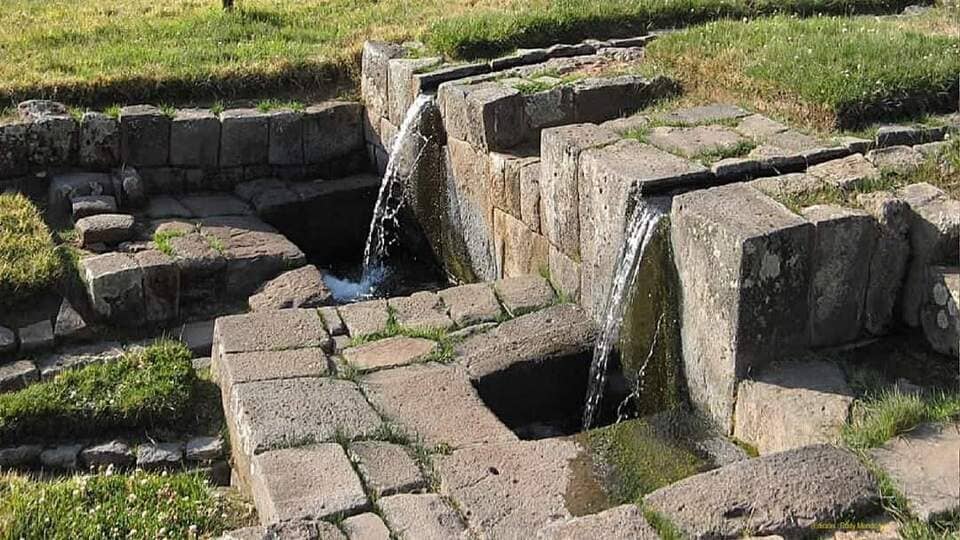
x,y
268,331
387,468
901,160
435,402
696,141
421,310
164,206
702,114
367,526
759,127
523,294
115,452
631,164
561,330
390,352
237,368
923,465
52,364
332,321
210,205
364,318
61,457
471,304
787,184
311,482
18,374
625,522
845,173
283,412
503,489
300,288
424,517
781,494
159,455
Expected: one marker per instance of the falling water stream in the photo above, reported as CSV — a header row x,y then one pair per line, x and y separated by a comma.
x,y
408,141
640,230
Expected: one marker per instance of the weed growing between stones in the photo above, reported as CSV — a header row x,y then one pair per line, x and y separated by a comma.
x,y
739,150
446,342
215,243
268,105
135,505
162,239
666,530
877,419
153,386
29,260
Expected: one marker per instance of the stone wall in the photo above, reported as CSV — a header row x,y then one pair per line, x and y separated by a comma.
x,y
183,150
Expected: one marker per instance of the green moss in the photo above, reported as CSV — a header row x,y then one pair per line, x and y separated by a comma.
x,y
738,150
135,505
153,386
666,530
30,263
830,194
639,458
268,105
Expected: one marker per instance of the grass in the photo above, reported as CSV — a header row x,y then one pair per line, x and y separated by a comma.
x,y
822,73
889,413
445,343
153,386
139,50
740,149
136,505
162,239
29,260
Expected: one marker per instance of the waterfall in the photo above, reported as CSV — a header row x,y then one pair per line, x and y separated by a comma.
x,y
405,153
640,230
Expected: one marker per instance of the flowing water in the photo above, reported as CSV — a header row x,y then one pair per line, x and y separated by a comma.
x,y
640,229
409,142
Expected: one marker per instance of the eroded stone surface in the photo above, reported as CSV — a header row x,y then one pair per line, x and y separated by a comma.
x,y
389,352
784,493
300,288
105,229
901,160
311,482
471,304
426,517
888,264
792,404
364,318
940,315
386,468
419,397
367,526
37,336
235,368
17,375
846,173
923,465
421,310
268,331
523,294
625,522
696,141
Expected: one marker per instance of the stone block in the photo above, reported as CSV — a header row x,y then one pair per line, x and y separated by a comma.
x,y
14,150
934,239
560,150
268,331
505,171
159,455
788,185
36,337
331,130
286,138
367,526
332,321
939,315
105,229
624,522
703,114
8,341
311,482
426,516
777,161
204,448
280,413
888,264
908,135
53,140
846,173
417,397
17,375
469,211
163,180
364,318
61,457
693,142
524,293
471,304
99,144
488,115
792,404
553,107
195,138
161,286
144,136
300,288
780,494
114,284
735,168
530,197
599,99
115,452
898,160
390,352
564,274
203,206
244,137
236,368
734,234
518,250
197,336
133,191
922,464
510,487
374,73
386,468
91,205
422,310
844,242
402,90
25,455
759,127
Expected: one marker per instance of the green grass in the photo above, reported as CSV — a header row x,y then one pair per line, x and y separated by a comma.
x,y
29,260
162,239
136,505
445,344
879,418
142,51
738,150
823,72
147,387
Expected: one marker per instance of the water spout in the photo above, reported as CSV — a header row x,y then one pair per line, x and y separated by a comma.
x,y
640,230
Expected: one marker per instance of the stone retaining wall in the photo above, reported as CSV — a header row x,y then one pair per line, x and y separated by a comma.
x,y
184,150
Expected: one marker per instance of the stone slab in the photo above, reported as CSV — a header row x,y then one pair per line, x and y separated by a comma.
x,y
425,517
692,142
91,205
210,205
367,526
418,398
781,494
523,294
159,455
105,229
144,136
17,375
286,412
792,404
940,315
703,114
244,137
518,250
845,173
390,352
888,264
332,321
923,465
235,368
204,448
195,138
624,522
268,331
36,337
422,311
300,288
311,482
898,160
386,468
365,318
471,304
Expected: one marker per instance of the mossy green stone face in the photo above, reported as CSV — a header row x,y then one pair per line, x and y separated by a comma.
x,y
637,457
654,301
